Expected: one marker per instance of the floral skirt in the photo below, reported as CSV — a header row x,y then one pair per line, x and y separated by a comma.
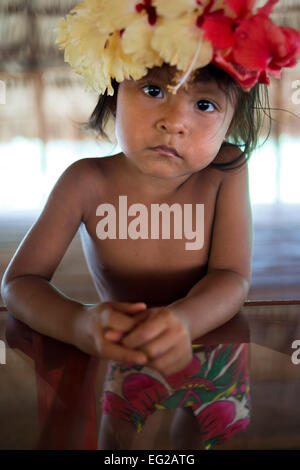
x,y
215,385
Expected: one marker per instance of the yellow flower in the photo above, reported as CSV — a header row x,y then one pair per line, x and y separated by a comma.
x,y
110,39
168,41
113,64
140,49
81,39
62,32
94,78
116,14
119,65
87,37
174,9
92,41
90,13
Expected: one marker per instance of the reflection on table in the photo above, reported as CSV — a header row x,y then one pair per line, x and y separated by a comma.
x,y
63,385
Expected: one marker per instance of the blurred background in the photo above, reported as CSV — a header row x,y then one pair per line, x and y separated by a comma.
x,y
42,102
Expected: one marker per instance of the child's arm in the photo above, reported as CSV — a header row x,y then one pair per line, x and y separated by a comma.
x,y
224,289
29,294
218,296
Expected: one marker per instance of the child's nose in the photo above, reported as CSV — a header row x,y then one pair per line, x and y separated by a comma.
x,y
172,121
171,127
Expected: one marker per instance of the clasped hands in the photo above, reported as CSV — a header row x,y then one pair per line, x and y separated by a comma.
x,y
160,335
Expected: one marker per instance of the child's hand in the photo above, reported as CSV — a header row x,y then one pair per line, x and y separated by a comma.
x,y
101,326
165,337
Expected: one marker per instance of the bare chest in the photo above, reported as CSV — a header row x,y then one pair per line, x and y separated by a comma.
x,y
160,247
138,248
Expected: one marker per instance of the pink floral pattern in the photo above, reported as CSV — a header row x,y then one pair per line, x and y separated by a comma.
x,y
215,385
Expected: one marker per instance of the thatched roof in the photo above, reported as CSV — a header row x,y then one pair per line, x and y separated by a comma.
x,y
38,81
27,33
27,30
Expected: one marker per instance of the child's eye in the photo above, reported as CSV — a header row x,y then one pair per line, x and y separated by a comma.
x,y
205,105
153,90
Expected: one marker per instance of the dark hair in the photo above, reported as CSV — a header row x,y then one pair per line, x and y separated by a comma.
x,y
247,121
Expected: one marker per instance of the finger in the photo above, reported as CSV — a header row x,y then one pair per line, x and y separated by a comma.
x,y
128,307
115,320
140,317
160,345
113,335
119,353
145,332
116,335
171,362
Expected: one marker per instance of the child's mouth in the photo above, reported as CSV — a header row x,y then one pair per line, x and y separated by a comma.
x,y
164,150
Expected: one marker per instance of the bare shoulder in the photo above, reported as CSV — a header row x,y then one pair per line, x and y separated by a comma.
x,y
76,173
230,153
91,168
46,242
86,177
220,170
85,168
234,179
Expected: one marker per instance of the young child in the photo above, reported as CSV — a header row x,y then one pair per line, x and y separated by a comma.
x,y
179,80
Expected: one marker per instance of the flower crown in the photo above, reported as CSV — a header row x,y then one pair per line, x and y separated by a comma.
x,y
122,39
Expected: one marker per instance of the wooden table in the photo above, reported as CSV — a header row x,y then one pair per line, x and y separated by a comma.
x,y
66,377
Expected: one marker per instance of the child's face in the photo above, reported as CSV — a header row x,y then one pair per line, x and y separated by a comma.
x,y
194,123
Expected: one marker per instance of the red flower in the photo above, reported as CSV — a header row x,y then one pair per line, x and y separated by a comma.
x,y
150,9
255,46
288,52
246,78
218,28
262,45
267,9
241,8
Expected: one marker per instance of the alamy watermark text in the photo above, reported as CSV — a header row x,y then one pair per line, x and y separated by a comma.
x,y
296,354
2,352
138,227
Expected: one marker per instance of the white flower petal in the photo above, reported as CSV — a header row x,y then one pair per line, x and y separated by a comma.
x,y
174,9
167,40
140,50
